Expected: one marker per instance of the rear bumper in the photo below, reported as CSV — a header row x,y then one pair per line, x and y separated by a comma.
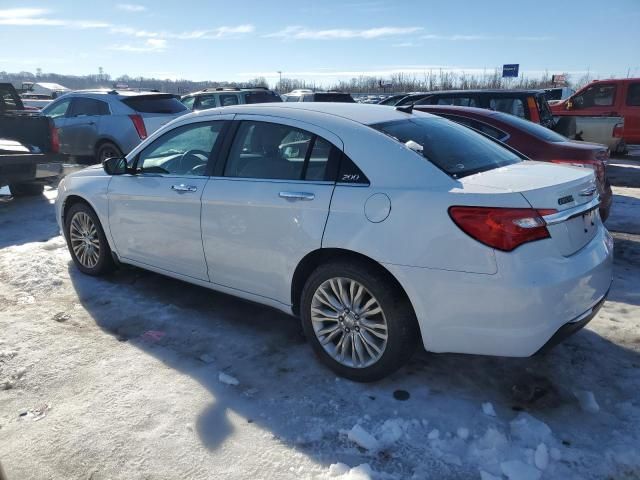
x,y
572,327
515,312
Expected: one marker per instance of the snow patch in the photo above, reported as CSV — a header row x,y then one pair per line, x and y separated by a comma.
x,y
487,409
587,401
541,457
341,471
518,470
463,433
362,438
228,379
529,430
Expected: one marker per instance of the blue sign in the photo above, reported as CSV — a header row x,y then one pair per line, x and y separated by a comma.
x,y
510,70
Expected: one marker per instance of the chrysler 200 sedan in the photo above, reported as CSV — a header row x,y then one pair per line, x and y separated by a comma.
x,y
378,227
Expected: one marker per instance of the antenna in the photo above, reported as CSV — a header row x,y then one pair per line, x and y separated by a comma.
x,y
406,109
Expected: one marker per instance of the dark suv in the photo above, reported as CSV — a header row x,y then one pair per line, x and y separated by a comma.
x,y
227,96
529,104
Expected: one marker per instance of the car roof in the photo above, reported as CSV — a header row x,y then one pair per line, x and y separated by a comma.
x,y
114,92
365,114
492,91
482,112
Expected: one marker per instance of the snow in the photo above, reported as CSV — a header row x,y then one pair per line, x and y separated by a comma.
x,y
587,401
487,409
518,470
119,377
227,379
541,458
362,438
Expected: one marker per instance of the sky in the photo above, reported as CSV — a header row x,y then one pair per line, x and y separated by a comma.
x,y
323,40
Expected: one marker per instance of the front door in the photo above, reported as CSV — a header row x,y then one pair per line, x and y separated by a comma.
x,y
154,215
267,207
79,135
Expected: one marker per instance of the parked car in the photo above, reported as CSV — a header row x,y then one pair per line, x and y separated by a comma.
x,y
98,124
536,142
304,96
557,94
224,97
529,104
369,223
29,157
602,99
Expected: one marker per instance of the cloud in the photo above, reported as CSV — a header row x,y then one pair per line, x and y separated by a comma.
x,y
458,37
149,45
405,45
302,33
26,17
130,7
211,34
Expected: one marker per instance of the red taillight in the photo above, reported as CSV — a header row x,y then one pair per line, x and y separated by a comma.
x,y
618,130
55,139
501,228
138,122
533,110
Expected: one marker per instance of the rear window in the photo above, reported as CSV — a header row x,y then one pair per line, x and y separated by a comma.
x,y
453,148
334,97
155,104
261,97
514,106
538,131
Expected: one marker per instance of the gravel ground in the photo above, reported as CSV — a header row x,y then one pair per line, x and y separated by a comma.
x,y
136,376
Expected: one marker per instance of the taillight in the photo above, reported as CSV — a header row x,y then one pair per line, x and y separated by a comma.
x,y
534,116
501,228
55,139
138,122
618,130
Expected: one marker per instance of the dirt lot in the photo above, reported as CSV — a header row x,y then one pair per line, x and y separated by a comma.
x,y
119,378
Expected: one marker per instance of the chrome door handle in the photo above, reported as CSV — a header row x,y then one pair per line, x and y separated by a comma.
x,y
184,188
297,195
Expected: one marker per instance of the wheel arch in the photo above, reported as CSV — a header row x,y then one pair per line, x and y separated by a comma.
x,y
74,199
323,255
102,140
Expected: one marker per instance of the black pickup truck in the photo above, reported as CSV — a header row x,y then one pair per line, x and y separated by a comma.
x,y
29,157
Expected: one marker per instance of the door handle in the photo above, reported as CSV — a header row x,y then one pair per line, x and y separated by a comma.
x,y
184,188
297,195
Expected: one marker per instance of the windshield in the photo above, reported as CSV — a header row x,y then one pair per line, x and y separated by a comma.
x,y
538,131
334,97
453,148
262,97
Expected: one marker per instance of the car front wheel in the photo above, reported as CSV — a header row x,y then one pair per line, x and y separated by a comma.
x,y
86,240
358,321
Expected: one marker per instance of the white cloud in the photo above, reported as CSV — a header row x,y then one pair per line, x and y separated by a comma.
x,y
211,34
130,7
26,17
405,45
303,33
458,37
149,45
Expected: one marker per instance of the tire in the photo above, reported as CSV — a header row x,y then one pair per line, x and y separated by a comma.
x,y
26,189
86,241
107,150
359,325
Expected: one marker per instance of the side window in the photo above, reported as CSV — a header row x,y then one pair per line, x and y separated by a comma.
x,y
182,151
188,102
633,95
318,160
208,101
595,96
58,110
228,100
308,98
458,101
292,98
514,106
480,126
8,101
269,151
88,107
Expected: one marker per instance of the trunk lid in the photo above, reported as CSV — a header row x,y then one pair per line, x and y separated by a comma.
x,y
569,190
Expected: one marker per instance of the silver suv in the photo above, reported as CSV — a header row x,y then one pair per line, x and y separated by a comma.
x,y
98,124
225,97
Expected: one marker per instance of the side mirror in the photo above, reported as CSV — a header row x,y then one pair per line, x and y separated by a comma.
x,y
115,165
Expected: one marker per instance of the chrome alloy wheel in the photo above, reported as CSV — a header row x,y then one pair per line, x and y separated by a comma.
x,y
349,322
84,240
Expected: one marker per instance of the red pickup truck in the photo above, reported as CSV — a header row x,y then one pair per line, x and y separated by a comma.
x,y
607,98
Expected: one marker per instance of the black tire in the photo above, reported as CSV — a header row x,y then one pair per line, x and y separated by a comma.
x,y
26,189
402,330
105,262
107,150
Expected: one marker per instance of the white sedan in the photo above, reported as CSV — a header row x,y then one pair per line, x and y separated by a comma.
x,y
378,227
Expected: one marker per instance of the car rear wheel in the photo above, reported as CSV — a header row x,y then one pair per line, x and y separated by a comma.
x,y
358,322
26,189
86,241
108,150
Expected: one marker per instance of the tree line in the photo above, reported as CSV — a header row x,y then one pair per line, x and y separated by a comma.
x,y
397,82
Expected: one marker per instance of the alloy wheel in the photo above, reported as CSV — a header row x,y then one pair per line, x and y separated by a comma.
x,y
84,240
349,322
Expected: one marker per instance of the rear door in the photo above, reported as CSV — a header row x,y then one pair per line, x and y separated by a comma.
x,y
154,215
156,110
631,113
267,206
79,134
